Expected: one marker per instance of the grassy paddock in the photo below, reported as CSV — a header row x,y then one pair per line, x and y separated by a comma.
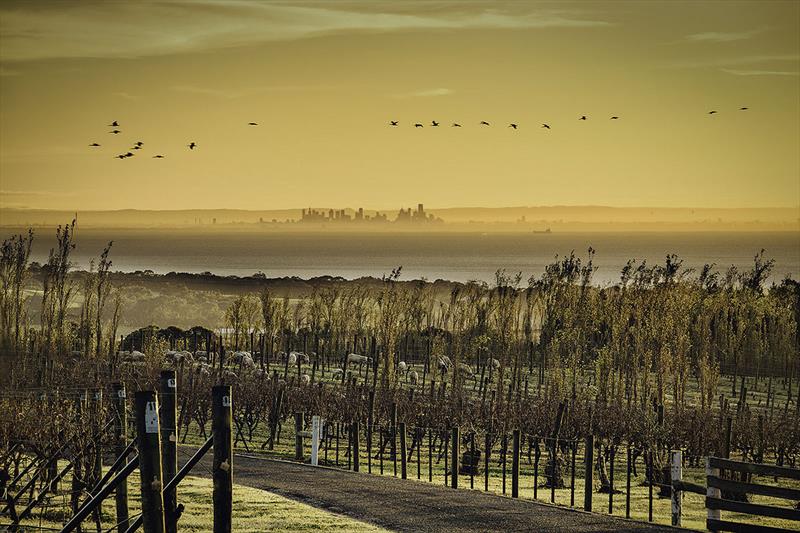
x,y
254,511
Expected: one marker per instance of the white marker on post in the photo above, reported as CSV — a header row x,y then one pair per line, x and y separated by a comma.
x,y
151,418
315,434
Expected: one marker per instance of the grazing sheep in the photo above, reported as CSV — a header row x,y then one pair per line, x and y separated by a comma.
x,y
248,363
413,377
292,358
465,369
354,358
337,373
402,366
305,379
495,363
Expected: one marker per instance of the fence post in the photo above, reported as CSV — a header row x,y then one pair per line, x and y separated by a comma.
x,y
628,484
169,444
315,435
354,433
222,472
370,415
712,492
455,460
486,453
149,443
394,436
588,477
677,495
402,429
515,465
120,436
298,437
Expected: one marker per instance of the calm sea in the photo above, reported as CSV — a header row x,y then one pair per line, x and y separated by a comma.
x,y
453,256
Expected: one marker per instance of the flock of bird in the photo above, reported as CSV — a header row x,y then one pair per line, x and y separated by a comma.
x,y
138,145
394,123
514,125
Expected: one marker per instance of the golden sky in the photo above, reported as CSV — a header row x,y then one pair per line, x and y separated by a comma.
x,y
323,79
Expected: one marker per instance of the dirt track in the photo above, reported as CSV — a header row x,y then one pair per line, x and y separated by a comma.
x,y
410,505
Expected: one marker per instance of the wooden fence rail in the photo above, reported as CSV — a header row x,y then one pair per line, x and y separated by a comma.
x,y
715,502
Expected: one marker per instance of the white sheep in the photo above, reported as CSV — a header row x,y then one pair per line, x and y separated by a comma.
x,y
337,373
402,366
413,377
495,363
465,369
305,379
354,358
292,359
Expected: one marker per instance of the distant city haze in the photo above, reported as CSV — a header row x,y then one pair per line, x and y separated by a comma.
x,y
456,256
321,82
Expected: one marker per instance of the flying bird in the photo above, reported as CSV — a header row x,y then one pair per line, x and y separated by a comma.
x,y
128,154
192,145
139,143
114,132
121,156
159,156
546,126
512,125
252,123
393,123
484,123
114,124
94,144
456,125
614,118
583,117
712,112
434,123
137,147
743,108
417,125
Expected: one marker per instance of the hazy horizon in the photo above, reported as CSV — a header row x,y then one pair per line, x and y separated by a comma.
x,y
519,218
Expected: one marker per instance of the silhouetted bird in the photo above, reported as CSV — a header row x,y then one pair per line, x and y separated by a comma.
x,y
484,123
121,156
417,125
192,145
512,125
583,117
546,126
159,156
137,147
128,154
456,125
393,123
114,124
743,108
252,123
114,132
434,123
94,144
614,118
139,143
712,112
